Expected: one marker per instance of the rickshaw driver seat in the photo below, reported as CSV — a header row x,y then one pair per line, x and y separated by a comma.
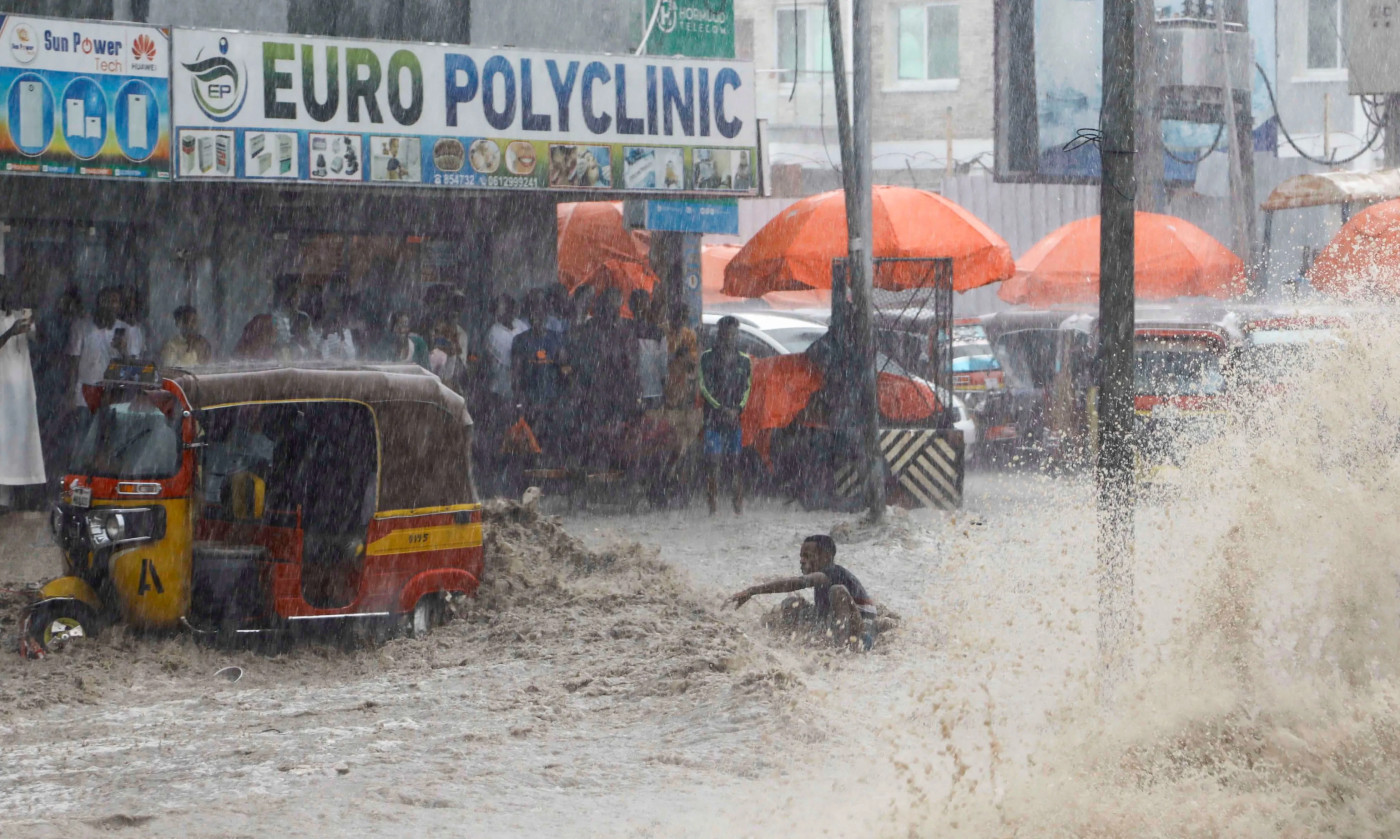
x,y
338,496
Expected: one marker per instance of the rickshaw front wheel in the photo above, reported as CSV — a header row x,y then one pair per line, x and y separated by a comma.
x,y
59,622
429,612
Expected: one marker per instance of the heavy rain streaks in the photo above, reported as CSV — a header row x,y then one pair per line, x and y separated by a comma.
x,y
441,416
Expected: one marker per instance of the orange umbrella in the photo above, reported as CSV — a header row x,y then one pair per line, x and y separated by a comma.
x,y
591,233
783,385
794,251
1172,258
714,259
1364,256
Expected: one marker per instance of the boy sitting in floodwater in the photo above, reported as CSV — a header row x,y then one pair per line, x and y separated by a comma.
x,y
840,602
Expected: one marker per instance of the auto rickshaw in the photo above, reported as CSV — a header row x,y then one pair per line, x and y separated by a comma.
x,y
1182,359
238,499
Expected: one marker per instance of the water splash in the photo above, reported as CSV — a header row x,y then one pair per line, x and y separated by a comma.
x,y
1268,646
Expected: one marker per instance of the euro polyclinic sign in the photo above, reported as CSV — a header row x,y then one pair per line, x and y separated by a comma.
x,y
84,99
281,107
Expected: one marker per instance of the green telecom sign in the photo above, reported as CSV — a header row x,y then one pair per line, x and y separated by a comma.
x,y
692,28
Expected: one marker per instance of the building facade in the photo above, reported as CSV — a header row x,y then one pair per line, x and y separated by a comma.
x,y
933,87
220,245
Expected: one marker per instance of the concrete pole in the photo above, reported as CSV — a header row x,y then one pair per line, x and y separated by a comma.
x,y
862,235
853,129
1114,473
1151,159
1243,245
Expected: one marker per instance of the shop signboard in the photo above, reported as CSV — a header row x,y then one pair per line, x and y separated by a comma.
x,y
719,216
697,28
84,99
328,110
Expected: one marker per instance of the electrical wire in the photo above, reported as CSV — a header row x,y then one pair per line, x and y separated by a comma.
x,y
1269,88
1215,144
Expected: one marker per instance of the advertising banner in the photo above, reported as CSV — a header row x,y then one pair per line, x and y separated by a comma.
x,y
83,98
328,110
695,28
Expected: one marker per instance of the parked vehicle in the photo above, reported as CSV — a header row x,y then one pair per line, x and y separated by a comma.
x,y
976,370
764,335
1182,358
1040,411
235,500
1277,346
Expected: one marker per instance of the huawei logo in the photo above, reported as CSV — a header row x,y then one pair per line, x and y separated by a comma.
x,y
143,48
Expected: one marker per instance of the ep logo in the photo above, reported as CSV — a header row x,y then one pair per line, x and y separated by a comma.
x,y
219,86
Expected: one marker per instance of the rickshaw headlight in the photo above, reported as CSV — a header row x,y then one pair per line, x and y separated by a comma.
x,y
125,526
115,527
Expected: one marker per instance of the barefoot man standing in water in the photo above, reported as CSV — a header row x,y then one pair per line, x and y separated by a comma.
x,y
840,602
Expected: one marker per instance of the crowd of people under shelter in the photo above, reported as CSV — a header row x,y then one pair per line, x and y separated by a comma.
x,y
557,384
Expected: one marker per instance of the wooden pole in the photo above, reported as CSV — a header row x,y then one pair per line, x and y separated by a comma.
x,y
1114,473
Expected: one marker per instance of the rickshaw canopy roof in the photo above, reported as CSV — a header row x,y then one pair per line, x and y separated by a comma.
x,y
425,452
228,384
1334,188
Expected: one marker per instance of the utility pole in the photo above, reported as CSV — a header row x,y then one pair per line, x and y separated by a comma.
x,y
1391,119
1150,158
1114,473
1241,144
853,128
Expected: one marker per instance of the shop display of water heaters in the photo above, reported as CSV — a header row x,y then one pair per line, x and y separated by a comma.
x,y
284,153
223,153
206,153
136,104
73,124
31,114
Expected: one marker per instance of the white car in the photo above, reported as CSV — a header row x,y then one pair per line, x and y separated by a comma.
x,y
764,335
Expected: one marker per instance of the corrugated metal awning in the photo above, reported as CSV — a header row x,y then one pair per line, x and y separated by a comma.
x,y
1334,188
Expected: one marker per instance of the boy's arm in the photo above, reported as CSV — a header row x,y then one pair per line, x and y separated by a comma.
x,y
783,586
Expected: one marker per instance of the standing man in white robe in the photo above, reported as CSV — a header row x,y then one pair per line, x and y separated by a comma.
x,y
21,456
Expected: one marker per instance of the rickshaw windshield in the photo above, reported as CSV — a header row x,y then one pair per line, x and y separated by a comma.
x,y
1178,368
135,434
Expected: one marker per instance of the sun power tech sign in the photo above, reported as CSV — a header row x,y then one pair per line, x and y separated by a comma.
x,y
84,99
284,107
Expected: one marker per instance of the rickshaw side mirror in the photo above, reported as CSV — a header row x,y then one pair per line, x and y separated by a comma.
x,y
248,496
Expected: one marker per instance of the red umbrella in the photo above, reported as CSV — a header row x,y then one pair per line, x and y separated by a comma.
x,y
590,234
1171,258
794,251
1364,256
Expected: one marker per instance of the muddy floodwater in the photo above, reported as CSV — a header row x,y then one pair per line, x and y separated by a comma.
x,y
598,687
